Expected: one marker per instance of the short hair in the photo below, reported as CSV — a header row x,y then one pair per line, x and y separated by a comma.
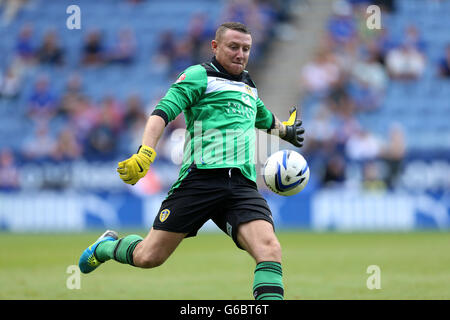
x,y
236,26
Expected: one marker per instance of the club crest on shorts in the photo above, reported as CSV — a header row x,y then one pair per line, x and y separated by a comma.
x,y
163,215
229,230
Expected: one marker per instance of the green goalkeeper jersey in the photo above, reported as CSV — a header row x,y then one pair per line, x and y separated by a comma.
x,y
221,113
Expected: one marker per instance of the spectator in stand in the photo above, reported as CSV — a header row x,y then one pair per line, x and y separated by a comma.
x,y
347,126
363,146
51,51
66,147
182,59
364,97
134,111
393,153
199,35
73,92
237,10
260,31
111,113
339,99
370,71
251,13
135,125
124,51
102,140
165,52
334,174
405,63
342,27
10,83
83,116
272,12
413,38
40,145
407,60
9,174
321,75
321,132
93,51
381,45
444,64
25,50
372,179
42,104
369,80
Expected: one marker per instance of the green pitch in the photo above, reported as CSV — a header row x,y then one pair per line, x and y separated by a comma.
x,y
315,266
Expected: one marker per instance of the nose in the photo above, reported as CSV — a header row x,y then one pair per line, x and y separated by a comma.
x,y
240,54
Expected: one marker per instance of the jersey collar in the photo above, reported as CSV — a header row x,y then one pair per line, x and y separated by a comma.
x,y
219,67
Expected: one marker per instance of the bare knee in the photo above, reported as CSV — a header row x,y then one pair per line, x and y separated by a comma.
x,y
259,240
270,250
266,250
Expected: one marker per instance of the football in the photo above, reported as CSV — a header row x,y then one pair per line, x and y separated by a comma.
x,y
286,172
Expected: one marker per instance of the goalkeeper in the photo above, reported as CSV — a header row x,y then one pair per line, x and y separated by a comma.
x,y
217,177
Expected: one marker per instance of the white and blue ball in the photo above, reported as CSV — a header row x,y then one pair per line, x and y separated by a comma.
x,y
286,172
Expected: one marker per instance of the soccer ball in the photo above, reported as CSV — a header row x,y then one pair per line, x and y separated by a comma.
x,y
286,172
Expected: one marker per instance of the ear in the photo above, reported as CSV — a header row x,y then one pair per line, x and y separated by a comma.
x,y
214,46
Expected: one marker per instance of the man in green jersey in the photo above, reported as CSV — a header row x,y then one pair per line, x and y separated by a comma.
x,y
217,179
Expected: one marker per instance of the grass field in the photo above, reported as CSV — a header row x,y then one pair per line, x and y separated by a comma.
x,y
315,266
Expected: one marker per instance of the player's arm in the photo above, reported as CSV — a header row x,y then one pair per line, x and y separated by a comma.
x,y
136,167
290,130
153,131
278,128
183,93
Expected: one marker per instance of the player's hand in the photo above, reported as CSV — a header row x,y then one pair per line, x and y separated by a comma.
x,y
294,131
136,167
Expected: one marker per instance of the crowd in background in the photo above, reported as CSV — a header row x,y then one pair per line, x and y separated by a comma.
x,y
69,124
349,75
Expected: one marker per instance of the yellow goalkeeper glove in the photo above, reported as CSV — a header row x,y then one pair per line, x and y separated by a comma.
x,y
294,131
136,167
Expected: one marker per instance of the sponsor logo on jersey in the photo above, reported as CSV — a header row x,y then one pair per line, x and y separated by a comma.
x,y
218,84
163,215
246,99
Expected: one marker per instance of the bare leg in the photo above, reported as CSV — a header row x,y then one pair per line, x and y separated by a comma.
x,y
157,246
258,238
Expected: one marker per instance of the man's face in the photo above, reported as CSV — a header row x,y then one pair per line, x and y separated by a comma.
x,y
232,50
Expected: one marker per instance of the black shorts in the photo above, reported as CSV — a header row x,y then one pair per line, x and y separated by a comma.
x,y
224,195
